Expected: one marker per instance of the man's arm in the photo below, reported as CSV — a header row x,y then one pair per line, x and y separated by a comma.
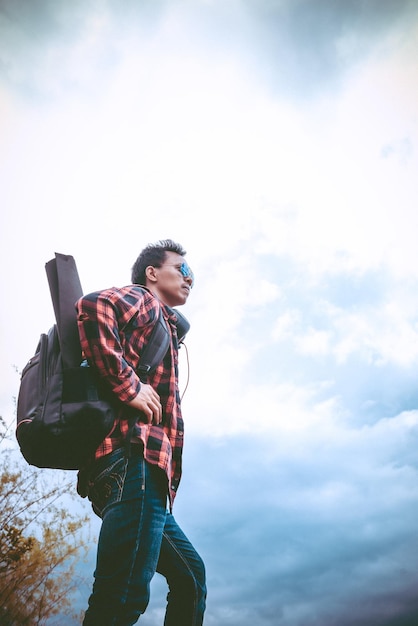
x,y
101,345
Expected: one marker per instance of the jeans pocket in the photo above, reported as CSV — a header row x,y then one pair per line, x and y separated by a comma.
x,y
106,482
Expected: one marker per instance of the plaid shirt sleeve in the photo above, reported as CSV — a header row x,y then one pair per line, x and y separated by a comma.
x,y
113,325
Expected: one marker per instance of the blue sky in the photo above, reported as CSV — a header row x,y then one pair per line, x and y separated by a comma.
x,y
277,141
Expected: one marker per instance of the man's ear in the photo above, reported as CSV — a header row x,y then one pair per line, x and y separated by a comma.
x,y
151,274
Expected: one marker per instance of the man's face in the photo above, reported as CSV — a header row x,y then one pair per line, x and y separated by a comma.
x,y
172,281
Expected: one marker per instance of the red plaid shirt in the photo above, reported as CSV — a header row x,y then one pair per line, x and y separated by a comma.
x,y
114,326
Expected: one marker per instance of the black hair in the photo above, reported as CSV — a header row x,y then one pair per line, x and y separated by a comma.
x,y
153,254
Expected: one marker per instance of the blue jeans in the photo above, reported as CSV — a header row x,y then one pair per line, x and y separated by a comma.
x,y
137,538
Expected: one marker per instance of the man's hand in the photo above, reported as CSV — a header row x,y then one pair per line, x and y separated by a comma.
x,y
148,401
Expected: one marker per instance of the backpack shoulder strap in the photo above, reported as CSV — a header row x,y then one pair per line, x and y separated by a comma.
x,y
159,341
156,347
65,288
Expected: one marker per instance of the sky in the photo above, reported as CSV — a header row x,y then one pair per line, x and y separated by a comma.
x,y
277,140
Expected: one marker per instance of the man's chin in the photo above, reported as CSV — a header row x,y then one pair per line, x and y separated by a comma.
x,y
183,300
179,301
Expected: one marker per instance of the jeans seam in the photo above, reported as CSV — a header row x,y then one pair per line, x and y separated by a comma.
x,y
138,535
173,545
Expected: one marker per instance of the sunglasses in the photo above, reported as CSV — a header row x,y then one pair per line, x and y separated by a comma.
x,y
186,271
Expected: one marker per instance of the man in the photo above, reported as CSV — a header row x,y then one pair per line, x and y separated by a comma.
x,y
130,490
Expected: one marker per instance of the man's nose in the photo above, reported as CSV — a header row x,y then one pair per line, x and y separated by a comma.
x,y
189,280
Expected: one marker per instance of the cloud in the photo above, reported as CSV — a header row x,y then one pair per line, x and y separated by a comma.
x,y
305,47
310,522
299,48
379,327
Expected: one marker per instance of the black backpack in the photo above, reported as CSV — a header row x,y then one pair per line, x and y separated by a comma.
x,y
63,410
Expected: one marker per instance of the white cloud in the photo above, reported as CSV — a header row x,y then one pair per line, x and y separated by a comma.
x,y
314,342
285,325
